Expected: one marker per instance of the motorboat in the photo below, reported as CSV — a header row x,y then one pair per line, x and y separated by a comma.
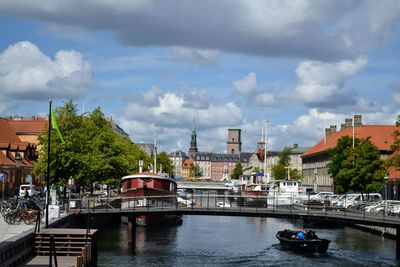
x,y
309,244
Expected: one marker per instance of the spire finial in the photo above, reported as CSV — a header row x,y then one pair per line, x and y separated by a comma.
x,y
194,125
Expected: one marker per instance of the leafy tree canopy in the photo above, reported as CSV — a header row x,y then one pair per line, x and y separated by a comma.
x,y
359,169
237,171
92,151
280,171
165,161
195,171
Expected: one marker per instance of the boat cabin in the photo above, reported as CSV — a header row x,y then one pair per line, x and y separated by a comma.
x,y
288,186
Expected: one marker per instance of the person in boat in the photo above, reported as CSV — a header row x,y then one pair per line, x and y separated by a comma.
x,y
286,233
300,235
313,235
308,234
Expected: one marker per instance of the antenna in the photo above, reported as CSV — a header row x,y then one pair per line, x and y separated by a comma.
x,y
155,153
353,129
265,151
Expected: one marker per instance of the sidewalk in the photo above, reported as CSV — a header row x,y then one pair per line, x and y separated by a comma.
x,y
8,231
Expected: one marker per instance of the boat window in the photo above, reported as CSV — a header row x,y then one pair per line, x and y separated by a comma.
x,y
128,184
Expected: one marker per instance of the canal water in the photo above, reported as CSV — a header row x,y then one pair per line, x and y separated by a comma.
x,y
237,241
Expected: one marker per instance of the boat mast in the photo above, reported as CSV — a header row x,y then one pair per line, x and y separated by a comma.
x,y
266,177
155,153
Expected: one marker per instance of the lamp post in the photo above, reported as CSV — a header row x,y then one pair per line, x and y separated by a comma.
x,y
2,178
385,179
315,180
18,160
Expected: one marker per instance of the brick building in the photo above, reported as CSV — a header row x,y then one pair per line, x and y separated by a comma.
x,y
18,148
315,160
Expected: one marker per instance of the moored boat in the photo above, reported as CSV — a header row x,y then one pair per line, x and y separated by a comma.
x,y
147,189
309,244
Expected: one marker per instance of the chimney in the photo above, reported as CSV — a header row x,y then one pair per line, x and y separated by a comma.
x,y
327,131
357,121
348,122
333,129
342,126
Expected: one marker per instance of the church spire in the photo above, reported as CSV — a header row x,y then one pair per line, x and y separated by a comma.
x,y
193,142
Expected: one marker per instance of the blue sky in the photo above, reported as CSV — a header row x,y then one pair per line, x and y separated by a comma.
x,y
153,66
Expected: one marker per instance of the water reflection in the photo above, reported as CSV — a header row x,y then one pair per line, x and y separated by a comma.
x,y
237,241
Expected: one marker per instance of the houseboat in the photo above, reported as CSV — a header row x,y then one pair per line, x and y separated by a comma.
x,y
147,190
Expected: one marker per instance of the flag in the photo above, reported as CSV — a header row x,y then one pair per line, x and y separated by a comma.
x,y
55,124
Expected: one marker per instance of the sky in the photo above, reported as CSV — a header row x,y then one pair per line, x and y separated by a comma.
x,y
155,66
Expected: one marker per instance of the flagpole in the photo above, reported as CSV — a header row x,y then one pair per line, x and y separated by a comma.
x,y
48,169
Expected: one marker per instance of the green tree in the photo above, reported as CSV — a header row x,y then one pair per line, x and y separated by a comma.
x,y
394,160
195,171
92,151
237,171
359,169
368,168
166,163
279,171
295,174
337,164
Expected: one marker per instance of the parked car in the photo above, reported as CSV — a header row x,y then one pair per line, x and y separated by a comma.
x,y
375,207
358,198
223,204
338,201
394,210
182,202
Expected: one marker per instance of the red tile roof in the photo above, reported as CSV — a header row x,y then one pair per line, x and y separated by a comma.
x,y
381,136
7,134
29,126
5,161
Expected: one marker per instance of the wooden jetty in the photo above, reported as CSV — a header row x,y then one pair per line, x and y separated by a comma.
x,y
67,246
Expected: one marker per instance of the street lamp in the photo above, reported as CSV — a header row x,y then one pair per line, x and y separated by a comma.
x,y
18,160
385,179
3,179
315,180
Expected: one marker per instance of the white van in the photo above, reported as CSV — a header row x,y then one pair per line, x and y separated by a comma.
x,y
371,197
26,188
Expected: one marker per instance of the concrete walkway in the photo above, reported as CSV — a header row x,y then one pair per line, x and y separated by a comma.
x,y
8,231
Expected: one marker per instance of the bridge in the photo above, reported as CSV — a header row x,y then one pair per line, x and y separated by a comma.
x,y
203,186
227,205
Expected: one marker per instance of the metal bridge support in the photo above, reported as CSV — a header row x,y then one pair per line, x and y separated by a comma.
x,y
398,243
131,229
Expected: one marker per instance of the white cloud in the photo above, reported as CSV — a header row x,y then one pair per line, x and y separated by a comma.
x,y
170,109
25,72
322,83
265,99
247,85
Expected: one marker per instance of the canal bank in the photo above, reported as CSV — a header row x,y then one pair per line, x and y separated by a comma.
x,y
17,249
